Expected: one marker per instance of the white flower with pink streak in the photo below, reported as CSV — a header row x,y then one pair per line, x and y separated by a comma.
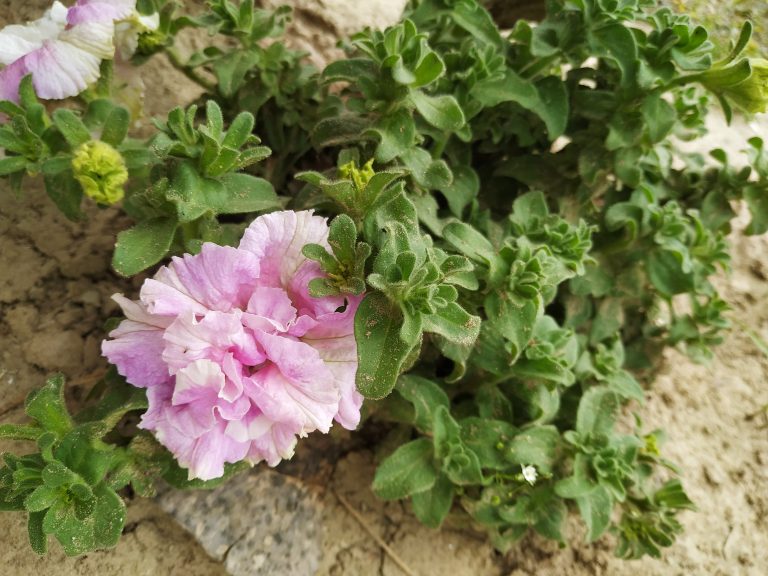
x,y
62,50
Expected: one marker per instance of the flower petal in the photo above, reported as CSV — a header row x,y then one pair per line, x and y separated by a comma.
x,y
215,336
60,69
277,240
218,278
137,352
10,79
17,40
100,11
304,405
275,445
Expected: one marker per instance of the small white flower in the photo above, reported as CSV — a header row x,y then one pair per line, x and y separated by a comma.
x,y
530,475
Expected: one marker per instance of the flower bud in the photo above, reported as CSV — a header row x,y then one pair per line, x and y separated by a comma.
x,y
101,171
359,176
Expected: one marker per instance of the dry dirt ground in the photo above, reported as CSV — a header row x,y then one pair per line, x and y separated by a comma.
x,y
55,284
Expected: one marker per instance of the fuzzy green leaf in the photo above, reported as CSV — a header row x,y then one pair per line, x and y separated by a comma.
x,y
143,245
432,506
407,471
380,351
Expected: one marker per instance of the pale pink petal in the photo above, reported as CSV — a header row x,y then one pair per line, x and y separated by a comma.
x,y
305,406
204,456
213,337
273,305
218,278
100,11
275,445
10,79
339,354
277,240
60,70
137,312
137,352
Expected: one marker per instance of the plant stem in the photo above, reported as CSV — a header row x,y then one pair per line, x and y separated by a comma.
x,y
188,71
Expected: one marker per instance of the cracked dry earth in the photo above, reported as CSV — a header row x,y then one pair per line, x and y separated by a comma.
x,y
55,285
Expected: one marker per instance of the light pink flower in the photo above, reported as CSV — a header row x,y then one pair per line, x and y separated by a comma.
x,y
237,358
62,50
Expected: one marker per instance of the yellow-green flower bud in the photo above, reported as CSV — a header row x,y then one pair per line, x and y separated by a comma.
x,y
359,176
101,171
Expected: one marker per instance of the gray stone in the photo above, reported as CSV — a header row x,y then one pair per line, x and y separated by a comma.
x,y
256,523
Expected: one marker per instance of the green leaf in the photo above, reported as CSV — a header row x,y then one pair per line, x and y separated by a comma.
x,y
56,474
470,242
82,451
756,197
244,193
64,190
476,20
119,399
442,112
624,384
395,132
38,539
407,471
349,70
595,508
659,116
116,126
509,88
426,397
616,41
109,517
489,439
666,273
380,351
41,498
429,69
12,164
71,127
514,320
745,34
453,323
239,131
597,411
19,432
463,190
75,535
553,107
143,245
535,446
578,484
347,129
47,407
428,172
432,506
459,462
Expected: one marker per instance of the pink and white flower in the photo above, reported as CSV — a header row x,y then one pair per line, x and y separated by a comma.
x,y
237,358
62,50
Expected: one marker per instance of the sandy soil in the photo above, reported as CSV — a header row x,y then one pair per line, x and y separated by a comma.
x,y
54,288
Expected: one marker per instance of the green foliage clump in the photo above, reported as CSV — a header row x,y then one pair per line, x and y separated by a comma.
x,y
513,208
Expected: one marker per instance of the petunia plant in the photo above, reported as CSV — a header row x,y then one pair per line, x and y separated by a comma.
x,y
479,239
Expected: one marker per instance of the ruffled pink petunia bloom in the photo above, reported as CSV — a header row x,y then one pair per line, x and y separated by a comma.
x,y
237,358
62,50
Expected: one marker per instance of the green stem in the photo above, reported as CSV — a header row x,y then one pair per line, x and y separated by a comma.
x,y
188,71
